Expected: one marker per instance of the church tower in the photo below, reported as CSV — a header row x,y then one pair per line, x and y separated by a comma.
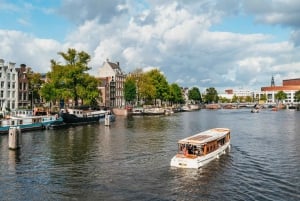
x,y
272,82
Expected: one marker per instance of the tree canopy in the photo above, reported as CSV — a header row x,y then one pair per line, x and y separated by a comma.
x,y
297,95
211,95
130,89
175,95
71,80
280,96
195,95
160,83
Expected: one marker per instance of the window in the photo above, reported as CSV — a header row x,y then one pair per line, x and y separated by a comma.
x,y
13,105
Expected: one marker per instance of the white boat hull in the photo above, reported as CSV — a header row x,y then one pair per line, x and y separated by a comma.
x,y
182,161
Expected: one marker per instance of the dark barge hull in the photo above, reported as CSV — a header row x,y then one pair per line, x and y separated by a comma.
x,y
73,119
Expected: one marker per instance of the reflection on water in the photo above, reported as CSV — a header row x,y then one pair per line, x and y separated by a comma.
x,y
13,159
130,160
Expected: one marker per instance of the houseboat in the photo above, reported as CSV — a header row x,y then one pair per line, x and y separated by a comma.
x,y
198,150
28,123
79,116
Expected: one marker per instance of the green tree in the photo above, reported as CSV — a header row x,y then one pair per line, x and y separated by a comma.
x,y
138,76
280,96
234,99
297,96
130,89
194,94
48,92
147,91
211,95
71,80
34,84
223,99
248,99
161,84
175,94
158,80
263,97
87,90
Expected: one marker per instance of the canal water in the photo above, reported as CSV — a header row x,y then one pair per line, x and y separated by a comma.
x,y
130,160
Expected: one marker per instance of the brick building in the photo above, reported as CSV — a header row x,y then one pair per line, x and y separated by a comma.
x,y
289,86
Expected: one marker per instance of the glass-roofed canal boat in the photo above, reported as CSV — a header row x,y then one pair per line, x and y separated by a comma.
x,y
197,150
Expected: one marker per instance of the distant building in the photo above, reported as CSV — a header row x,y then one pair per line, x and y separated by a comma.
x,y
8,86
24,100
113,84
289,86
185,94
240,93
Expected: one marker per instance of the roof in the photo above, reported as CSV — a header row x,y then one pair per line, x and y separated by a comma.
x,y
281,88
205,136
115,67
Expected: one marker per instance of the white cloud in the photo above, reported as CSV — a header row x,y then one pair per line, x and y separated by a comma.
x,y
23,48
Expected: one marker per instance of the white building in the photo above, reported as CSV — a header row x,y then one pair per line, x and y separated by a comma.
x,y
289,87
8,86
229,93
114,89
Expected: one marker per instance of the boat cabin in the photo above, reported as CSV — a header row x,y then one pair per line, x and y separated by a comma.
x,y
203,143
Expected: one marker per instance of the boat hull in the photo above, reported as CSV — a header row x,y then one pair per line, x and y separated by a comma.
x,y
73,119
182,161
28,123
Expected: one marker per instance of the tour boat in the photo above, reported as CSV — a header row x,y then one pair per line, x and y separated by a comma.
x,y
198,150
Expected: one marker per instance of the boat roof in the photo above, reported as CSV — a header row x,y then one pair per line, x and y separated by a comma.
x,y
205,136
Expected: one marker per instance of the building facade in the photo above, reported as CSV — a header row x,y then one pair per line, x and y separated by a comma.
x,y
289,86
112,87
24,100
240,93
8,86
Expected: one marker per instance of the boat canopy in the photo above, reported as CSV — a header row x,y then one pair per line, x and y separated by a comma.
x,y
205,136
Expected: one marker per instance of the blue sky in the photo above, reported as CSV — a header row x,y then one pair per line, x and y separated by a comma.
x,y
246,24
206,43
